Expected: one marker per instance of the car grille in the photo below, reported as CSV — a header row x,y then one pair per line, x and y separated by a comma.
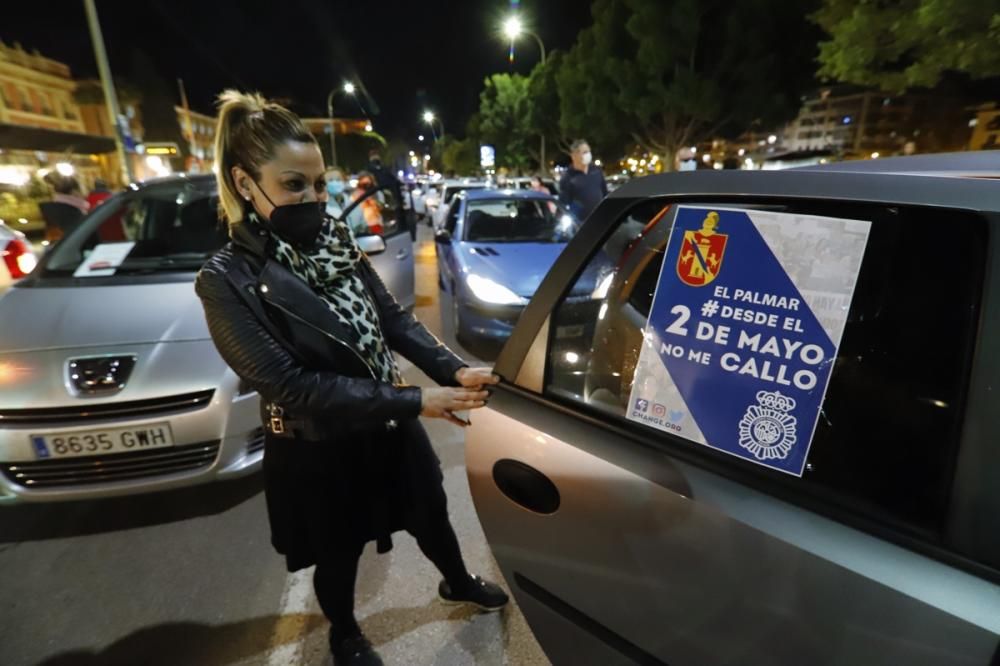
x,y
107,410
92,470
255,442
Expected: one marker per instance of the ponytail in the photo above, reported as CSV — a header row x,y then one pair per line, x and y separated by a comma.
x,y
248,133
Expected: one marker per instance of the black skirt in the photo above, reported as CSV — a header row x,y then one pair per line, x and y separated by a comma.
x,y
323,497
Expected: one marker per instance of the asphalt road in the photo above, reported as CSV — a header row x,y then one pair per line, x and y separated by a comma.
x,y
189,577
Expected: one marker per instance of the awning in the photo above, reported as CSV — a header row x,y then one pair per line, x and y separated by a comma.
x,y
19,137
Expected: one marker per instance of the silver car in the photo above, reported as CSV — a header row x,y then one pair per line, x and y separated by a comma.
x,y
625,540
109,381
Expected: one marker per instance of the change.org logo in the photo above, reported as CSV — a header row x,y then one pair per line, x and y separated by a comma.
x,y
654,413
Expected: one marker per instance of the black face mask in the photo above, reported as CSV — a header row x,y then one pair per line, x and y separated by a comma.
x,y
299,224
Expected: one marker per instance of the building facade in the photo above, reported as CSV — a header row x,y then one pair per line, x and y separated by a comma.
x,y
36,91
864,124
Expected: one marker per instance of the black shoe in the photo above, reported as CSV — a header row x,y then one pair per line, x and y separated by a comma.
x,y
484,594
354,651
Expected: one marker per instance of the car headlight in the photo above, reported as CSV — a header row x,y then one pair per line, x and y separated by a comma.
x,y
489,291
603,285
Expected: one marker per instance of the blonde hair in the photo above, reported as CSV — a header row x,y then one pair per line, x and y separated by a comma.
x,y
247,134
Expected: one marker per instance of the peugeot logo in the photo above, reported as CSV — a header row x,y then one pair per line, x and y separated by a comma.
x,y
99,375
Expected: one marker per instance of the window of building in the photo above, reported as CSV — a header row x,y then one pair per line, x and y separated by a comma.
x,y
887,435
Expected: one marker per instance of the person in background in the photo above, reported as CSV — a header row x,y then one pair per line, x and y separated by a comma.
x,y
582,186
98,194
536,185
339,200
370,210
346,459
67,208
66,189
382,176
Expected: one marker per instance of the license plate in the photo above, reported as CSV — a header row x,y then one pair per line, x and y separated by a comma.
x,y
102,442
563,332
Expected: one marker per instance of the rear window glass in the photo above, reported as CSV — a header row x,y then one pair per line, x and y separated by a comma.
x,y
887,435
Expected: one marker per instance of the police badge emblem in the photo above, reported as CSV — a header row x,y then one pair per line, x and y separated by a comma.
x,y
767,430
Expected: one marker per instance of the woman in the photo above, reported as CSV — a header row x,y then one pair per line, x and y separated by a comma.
x,y
371,208
338,201
296,310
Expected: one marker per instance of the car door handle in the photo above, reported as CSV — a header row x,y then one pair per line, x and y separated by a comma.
x,y
402,254
526,486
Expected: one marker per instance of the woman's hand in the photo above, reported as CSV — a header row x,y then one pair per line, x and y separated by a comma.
x,y
475,377
441,403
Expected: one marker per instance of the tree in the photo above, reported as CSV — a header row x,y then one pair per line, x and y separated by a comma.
x,y
543,111
908,43
503,120
459,156
672,73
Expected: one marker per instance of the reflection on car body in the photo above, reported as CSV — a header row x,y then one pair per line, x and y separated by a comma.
x,y
627,544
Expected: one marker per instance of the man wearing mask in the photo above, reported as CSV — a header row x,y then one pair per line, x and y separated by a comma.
x,y
582,186
383,177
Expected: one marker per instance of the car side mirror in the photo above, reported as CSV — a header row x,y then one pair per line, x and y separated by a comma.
x,y
443,236
371,245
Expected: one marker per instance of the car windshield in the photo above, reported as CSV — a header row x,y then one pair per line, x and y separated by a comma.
x,y
451,190
163,228
518,221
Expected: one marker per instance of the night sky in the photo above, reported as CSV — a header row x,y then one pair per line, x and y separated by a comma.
x,y
408,55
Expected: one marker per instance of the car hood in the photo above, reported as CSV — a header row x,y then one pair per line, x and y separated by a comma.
x,y
518,266
37,318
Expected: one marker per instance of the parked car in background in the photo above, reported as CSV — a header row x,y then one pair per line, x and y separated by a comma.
x,y
116,386
625,528
449,189
493,250
17,254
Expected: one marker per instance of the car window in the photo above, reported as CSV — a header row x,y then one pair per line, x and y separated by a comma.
x,y
174,227
888,430
517,221
452,220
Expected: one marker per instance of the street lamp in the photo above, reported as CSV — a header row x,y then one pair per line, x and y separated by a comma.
x,y
513,28
349,89
429,118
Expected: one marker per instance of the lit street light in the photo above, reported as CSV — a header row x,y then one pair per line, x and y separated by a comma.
x,y
513,28
429,118
349,89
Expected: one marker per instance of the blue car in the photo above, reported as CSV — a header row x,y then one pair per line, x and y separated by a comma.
x,y
493,248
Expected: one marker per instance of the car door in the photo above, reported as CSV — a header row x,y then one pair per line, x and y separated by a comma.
x,y
627,543
446,240
395,265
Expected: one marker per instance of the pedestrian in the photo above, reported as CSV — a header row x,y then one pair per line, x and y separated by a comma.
x,y
338,201
367,216
98,194
383,177
296,310
536,185
582,186
67,208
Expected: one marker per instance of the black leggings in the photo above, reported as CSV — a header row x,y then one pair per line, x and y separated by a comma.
x,y
335,576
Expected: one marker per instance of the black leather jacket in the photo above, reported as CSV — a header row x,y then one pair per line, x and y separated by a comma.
x,y
283,341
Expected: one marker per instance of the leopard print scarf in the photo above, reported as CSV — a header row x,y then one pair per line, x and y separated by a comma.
x,y
330,270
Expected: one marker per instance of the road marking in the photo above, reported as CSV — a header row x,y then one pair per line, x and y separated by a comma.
x,y
288,638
